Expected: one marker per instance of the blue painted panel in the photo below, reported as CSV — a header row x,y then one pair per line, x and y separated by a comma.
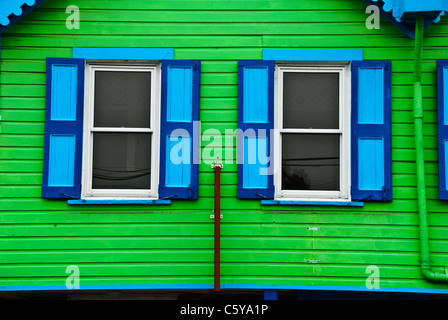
x,y
123,53
442,115
178,162
409,9
371,96
255,120
446,163
370,164
420,6
255,95
255,160
63,97
371,175
62,161
445,96
313,54
180,94
174,182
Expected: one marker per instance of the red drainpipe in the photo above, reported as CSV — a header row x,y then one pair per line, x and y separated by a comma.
x,y
217,216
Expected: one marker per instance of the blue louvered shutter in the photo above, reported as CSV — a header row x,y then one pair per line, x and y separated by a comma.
x,y
179,139
442,114
255,122
371,131
64,105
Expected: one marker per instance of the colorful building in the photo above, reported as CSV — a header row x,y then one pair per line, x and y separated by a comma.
x,y
327,116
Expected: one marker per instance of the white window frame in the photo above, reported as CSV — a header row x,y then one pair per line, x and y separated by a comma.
x,y
343,69
116,194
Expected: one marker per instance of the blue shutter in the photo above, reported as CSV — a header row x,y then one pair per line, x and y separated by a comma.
x,y
255,122
63,128
442,105
179,139
371,131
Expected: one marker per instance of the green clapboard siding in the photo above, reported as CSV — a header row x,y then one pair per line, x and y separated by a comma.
x,y
261,245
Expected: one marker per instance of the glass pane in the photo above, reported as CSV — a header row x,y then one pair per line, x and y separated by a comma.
x,y
121,161
122,99
311,100
310,162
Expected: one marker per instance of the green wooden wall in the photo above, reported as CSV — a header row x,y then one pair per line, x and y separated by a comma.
x,y
262,245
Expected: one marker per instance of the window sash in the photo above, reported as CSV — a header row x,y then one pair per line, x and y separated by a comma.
x,y
89,130
344,132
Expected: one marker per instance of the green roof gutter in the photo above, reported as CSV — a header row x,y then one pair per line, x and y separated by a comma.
x,y
425,264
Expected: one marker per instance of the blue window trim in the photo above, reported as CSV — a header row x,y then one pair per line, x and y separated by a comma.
x,y
312,203
442,128
123,53
313,54
118,202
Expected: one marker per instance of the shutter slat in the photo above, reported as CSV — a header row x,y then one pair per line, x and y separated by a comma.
x,y
442,113
255,122
63,129
371,131
179,145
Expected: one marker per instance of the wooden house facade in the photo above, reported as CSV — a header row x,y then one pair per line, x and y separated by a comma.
x,y
327,116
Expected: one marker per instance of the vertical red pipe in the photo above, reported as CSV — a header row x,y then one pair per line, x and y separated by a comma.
x,y
217,214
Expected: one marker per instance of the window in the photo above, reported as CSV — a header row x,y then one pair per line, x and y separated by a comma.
x,y
121,131
330,128
312,136
113,120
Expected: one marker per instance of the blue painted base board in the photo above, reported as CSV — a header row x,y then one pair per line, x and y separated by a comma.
x,y
223,286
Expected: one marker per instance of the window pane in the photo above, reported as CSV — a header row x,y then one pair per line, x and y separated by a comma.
x,y
121,161
311,100
310,162
122,99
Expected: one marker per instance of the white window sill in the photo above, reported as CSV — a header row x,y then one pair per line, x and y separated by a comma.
x,y
312,203
119,202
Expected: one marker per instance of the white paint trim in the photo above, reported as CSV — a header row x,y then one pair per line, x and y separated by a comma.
x,y
344,130
117,194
